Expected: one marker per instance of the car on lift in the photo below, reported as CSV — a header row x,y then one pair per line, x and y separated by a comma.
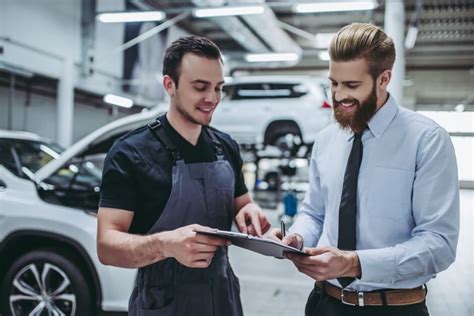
x,y
48,219
274,110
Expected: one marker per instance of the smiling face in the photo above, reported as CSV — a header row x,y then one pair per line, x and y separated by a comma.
x,y
199,89
354,93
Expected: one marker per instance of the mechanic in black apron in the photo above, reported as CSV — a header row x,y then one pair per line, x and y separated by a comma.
x,y
203,192
154,190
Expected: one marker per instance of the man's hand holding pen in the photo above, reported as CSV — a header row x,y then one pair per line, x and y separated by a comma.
x,y
323,263
279,235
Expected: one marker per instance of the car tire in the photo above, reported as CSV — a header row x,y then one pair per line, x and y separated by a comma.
x,y
45,279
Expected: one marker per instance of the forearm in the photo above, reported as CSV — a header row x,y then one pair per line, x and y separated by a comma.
x,y
130,251
419,256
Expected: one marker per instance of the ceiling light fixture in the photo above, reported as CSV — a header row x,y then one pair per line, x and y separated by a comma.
x,y
118,100
323,55
117,17
228,11
334,6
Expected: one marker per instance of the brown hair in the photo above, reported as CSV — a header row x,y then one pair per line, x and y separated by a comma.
x,y
364,40
197,45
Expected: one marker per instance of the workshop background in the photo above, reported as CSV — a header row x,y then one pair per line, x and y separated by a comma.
x,y
76,74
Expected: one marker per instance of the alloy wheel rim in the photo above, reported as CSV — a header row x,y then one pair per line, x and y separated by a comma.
x,y
42,288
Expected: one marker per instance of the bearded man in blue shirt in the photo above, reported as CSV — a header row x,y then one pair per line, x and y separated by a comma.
x,y
381,216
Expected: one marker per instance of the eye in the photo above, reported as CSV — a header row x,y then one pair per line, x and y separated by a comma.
x,y
350,86
200,89
333,83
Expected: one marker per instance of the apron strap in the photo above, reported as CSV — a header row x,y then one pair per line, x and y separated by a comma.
x,y
163,137
216,142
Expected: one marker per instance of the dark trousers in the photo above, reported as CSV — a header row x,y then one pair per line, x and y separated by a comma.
x,y
321,304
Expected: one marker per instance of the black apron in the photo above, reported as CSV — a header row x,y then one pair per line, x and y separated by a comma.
x,y
202,193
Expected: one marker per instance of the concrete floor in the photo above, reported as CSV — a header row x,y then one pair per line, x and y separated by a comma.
x,y
274,287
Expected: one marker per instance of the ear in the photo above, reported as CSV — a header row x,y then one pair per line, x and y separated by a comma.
x,y
169,85
384,78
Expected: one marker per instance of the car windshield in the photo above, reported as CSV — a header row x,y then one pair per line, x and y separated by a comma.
x,y
264,90
20,154
76,184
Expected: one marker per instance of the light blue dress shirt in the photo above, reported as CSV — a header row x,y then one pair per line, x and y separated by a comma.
x,y
407,200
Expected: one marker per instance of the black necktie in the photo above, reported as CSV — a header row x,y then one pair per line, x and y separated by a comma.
x,y
347,209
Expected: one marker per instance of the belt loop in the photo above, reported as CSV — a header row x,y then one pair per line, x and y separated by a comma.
x,y
383,297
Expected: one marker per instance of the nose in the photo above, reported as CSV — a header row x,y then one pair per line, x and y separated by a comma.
x,y
211,97
339,94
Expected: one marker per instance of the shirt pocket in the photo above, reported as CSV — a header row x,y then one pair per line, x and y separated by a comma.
x,y
390,194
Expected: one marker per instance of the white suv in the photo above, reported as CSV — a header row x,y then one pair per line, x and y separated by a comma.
x,y
263,110
48,258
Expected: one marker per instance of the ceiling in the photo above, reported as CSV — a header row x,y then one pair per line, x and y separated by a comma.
x,y
445,29
440,66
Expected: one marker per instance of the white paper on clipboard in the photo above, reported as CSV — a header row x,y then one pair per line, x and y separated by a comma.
x,y
261,245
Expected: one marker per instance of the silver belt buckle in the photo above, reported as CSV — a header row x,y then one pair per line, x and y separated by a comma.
x,y
360,298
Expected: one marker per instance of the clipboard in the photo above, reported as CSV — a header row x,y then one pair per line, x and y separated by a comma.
x,y
261,245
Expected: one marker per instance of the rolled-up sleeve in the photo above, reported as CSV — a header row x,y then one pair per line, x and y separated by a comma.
x,y
309,222
435,207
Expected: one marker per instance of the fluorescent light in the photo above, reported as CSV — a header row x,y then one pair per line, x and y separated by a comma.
x,y
226,11
322,40
459,108
334,6
118,100
131,16
411,37
323,55
255,58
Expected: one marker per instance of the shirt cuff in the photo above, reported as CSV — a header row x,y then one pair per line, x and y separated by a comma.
x,y
377,265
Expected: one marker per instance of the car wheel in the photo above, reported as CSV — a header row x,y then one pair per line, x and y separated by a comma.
x,y
288,143
44,282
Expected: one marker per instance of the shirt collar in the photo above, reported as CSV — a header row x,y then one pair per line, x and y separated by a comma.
x,y
382,118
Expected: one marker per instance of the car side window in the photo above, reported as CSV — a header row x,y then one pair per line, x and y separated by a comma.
x,y
7,158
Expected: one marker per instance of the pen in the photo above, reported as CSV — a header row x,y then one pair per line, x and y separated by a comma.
x,y
282,228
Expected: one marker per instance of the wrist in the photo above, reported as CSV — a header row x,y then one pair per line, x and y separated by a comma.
x,y
354,269
161,242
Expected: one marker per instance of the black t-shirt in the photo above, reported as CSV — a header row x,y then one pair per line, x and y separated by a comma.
x,y
137,171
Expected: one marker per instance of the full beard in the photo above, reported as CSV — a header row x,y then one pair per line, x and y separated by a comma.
x,y
358,119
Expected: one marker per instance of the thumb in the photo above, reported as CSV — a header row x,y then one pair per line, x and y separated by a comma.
x,y
316,251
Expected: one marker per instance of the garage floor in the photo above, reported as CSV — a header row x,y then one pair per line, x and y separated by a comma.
x,y
274,287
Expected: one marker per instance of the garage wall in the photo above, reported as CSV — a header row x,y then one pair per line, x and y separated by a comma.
x,y
36,113
54,27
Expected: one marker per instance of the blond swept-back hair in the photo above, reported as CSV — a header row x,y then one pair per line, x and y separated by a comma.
x,y
364,40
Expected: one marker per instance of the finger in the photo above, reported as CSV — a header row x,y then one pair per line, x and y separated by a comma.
x,y
254,218
203,256
264,224
275,235
205,248
207,240
200,264
251,230
317,251
240,222
290,240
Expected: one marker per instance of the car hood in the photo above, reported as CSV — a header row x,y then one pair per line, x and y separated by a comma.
x,y
106,131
